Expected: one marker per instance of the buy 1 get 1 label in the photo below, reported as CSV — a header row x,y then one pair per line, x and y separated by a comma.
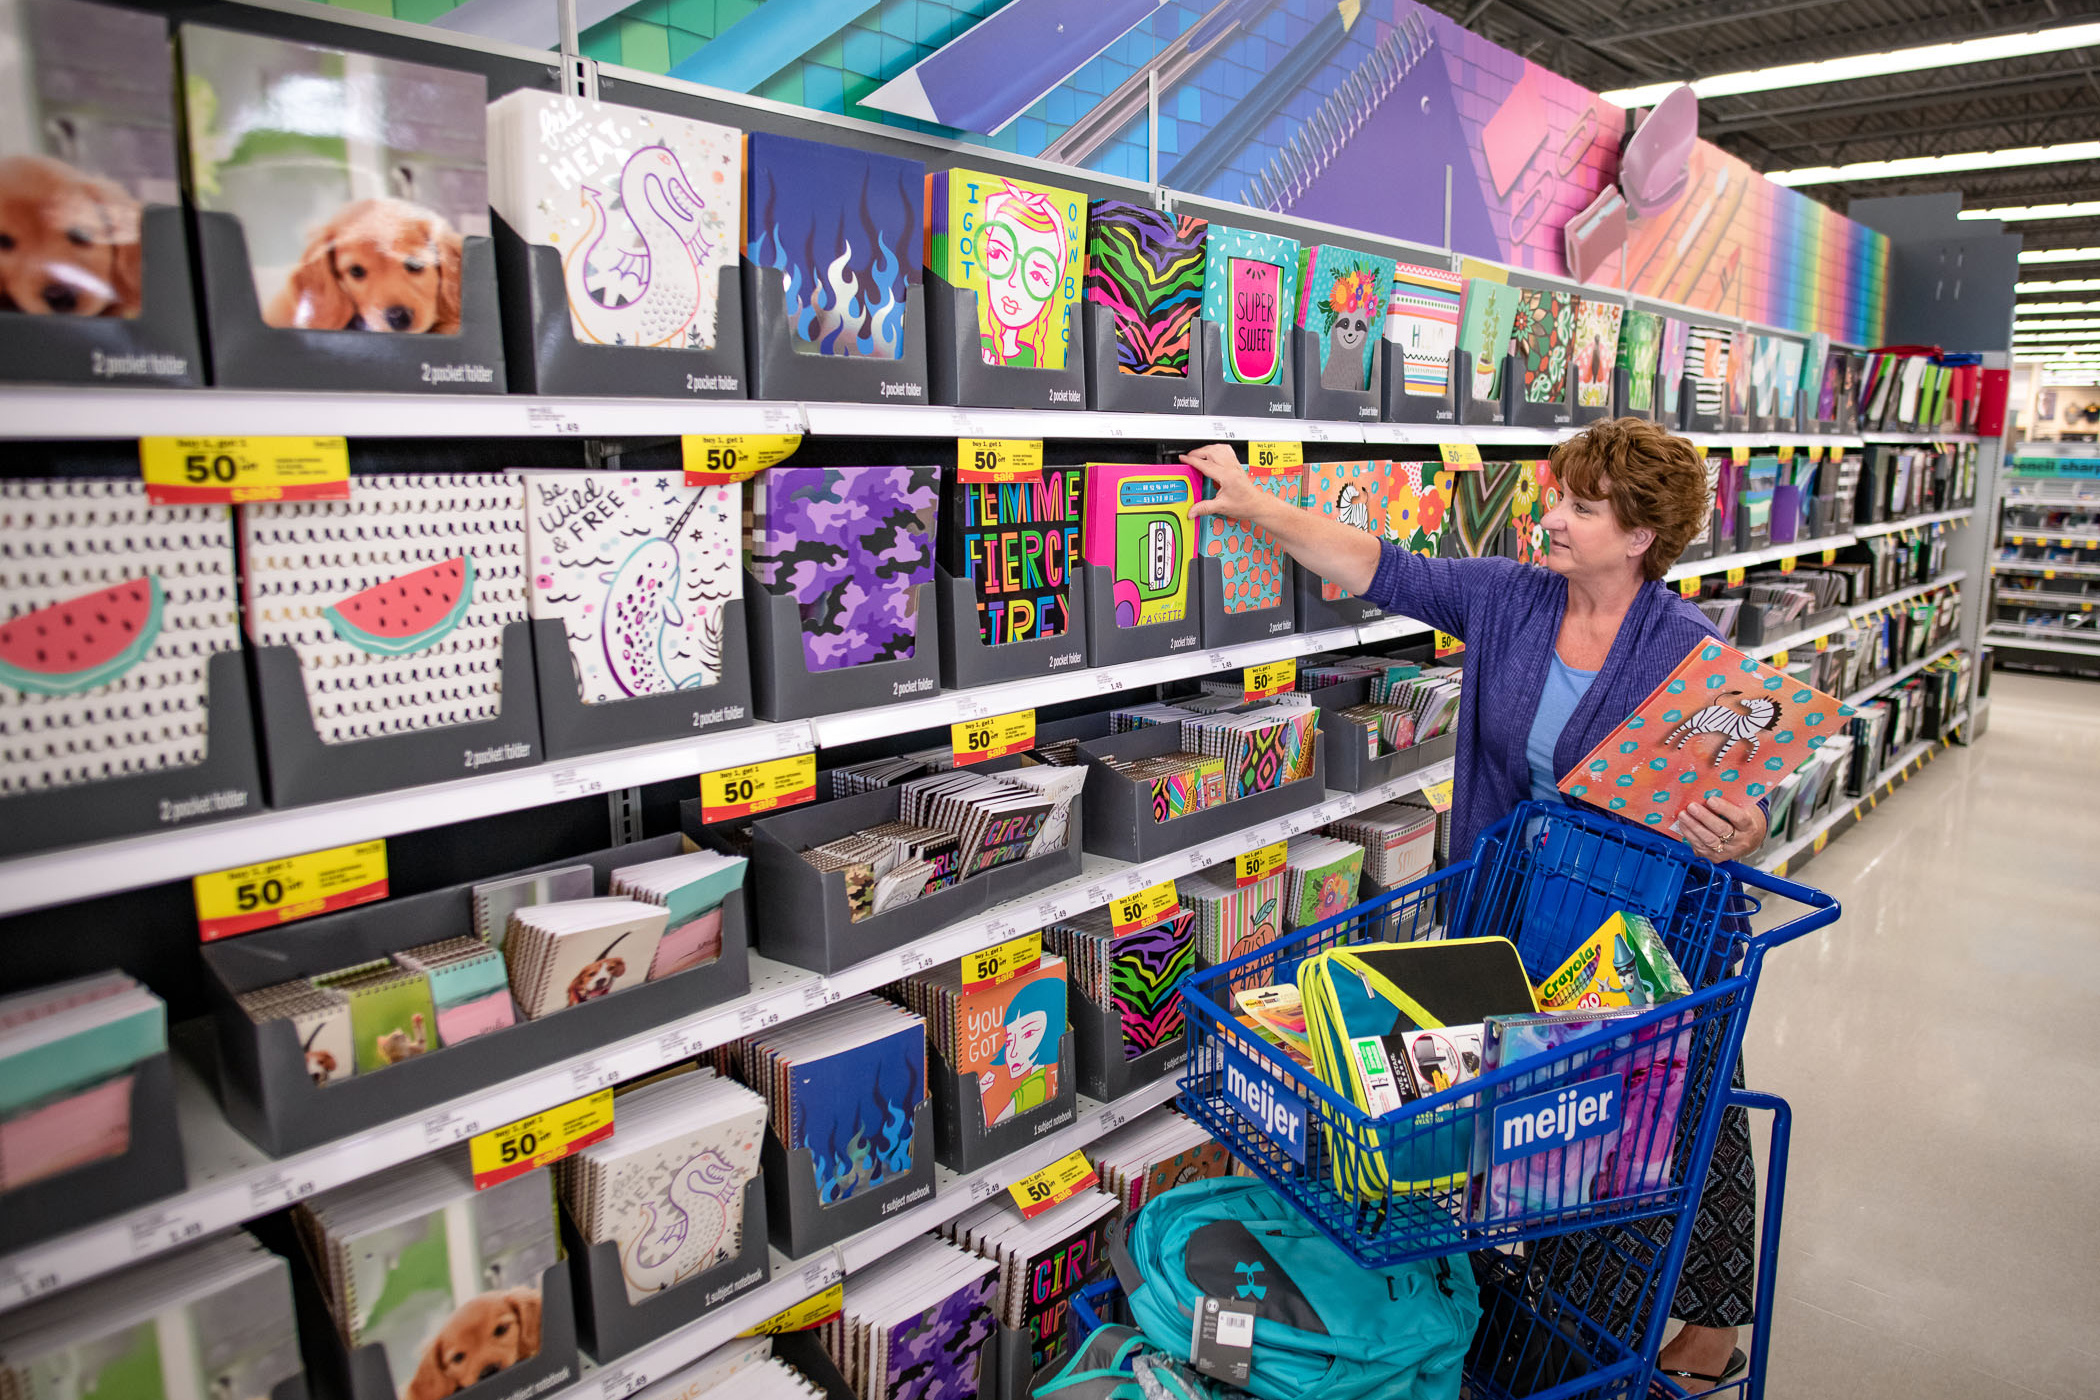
x,y
813,1311
729,793
716,459
1275,456
1460,456
994,736
998,459
1060,1181
272,892
229,470
1002,962
1149,906
1270,678
547,1136
1250,867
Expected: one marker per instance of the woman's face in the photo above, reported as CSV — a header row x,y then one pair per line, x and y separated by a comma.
x,y
1021,265
1587,540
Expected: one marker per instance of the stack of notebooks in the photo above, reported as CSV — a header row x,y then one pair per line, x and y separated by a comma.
x,y
1178,783
1319,879
745,1368
1004,1040
916,1325
1398,841
1042,1262
497,900
855,778
210,1322
414,1254
850,546
563,955
690,888
1018,543
846,1084
357,1019
1134,973
1263,748
1157,1153
1232,919
68,1055
667,1190
1430,695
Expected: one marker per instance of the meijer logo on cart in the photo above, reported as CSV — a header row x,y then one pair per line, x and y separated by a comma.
x,y
1558,1118
1261,1101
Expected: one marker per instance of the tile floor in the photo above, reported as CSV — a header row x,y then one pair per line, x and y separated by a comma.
x,y
1941,1049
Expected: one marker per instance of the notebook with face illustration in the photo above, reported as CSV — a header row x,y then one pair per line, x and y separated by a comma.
x,y
851,546
638,570
1342,298
1017,245
1250,293
1145,268
644,209
843,230
1139,528
394,600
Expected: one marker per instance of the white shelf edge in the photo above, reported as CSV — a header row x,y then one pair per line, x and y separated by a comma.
x,y
1904,595
2043,566
2087,539
248,1191
1720,562
1912,522
1920,437
1785,854
1997,636
1895,678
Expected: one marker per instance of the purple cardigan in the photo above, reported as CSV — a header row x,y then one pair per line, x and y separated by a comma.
x,y
1508,615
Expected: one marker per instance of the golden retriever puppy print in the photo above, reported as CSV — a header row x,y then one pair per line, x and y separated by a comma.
x,y
374,265
485,1335
69,241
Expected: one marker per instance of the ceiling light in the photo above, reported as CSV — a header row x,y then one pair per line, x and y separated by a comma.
x,y
2084,324
1869,65
2080,210
2082,284
2063,152
2058,255
2053,308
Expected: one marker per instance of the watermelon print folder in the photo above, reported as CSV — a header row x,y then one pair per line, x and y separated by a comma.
x,y
1250,292
1722,726
1143,970
1146,269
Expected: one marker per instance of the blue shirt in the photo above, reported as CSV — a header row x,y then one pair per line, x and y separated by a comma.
x,y
1565,687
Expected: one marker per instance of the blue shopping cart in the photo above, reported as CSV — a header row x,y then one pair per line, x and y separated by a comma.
x,y
1577,1241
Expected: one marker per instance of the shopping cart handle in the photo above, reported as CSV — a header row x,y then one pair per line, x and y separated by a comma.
x,y
1823,910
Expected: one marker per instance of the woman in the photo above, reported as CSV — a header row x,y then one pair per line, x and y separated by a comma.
x,y
1556,658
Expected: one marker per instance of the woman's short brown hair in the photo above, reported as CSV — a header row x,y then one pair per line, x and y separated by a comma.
x,y
1654,479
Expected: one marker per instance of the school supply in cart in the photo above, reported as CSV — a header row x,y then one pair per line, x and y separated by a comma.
x,y
1624,963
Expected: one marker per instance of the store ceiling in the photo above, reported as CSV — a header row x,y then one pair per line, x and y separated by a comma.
x,y
2033,101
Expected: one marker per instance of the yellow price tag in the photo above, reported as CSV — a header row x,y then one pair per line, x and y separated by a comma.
x,y
548,1136
2019,539
1439,795
274,892
2048,573
226,470
1448,645
812,1311
1270,678
994,736
1152,905
1830,555
1460,456
1815,452
1779,658
1060,1181
998,459
1786,565
1740,455
1735,576
1259,863
1780,870
1275,456
1822,840
712,459
1002,962
1786,454
728,793
1689,586
1822,644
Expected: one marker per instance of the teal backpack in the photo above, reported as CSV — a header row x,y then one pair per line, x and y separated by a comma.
x,y
1117,1363
1325,1327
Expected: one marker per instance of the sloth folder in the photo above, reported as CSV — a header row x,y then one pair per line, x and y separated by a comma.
x,y
1380,992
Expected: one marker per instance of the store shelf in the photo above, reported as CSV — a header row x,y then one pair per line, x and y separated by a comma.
x,y
1796,440
1904,595
1900,769
231,1181
2005,634
1805,637
2043,566
1911,522
2018,535
1920,437
1748,558
2030,598
82,872
1898,677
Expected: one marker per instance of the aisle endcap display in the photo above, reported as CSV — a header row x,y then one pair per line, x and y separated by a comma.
x,y
571,728
158,346
779,371
608,1326
149,1168
958,375
967,662
543,354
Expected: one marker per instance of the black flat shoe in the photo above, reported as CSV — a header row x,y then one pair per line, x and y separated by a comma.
x,y
1737,1364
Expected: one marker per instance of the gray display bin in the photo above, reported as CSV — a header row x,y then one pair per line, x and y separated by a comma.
x,y
570,727
1690,419
1522,413
1224,629
1317,614
158,346
783,686
807,921
955,359
1399,406
962,1143
246,354
806,1354
1104,1073
263,1084
965,659
1348,768
609,1326
149,1168
543,356
801,1224
1110,645
1222,396
1316,401
1482,413
780,371
227,783
1012,1361
1109,390
303,769
1119,812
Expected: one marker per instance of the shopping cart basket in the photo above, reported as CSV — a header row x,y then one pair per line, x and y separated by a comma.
x,y
1502,1158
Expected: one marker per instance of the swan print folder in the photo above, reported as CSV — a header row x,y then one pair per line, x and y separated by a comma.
x,y
643,207
110,613
394,600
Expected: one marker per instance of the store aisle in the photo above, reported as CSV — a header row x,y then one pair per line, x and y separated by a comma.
x,y
1942,1234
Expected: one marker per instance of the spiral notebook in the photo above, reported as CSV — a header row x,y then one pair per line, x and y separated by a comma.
x,y
917,1325
497,900
564,955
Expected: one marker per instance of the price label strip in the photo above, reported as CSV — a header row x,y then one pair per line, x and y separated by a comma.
x,y
1735,576
1275,456
1460,456
729,793
227,470
986,460
1439,795
1448,645
1270,678
273,892
813,1311
1689,586
548,1136
994,736
1060,1181
1002,962
1250,867
715,459
1149,906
